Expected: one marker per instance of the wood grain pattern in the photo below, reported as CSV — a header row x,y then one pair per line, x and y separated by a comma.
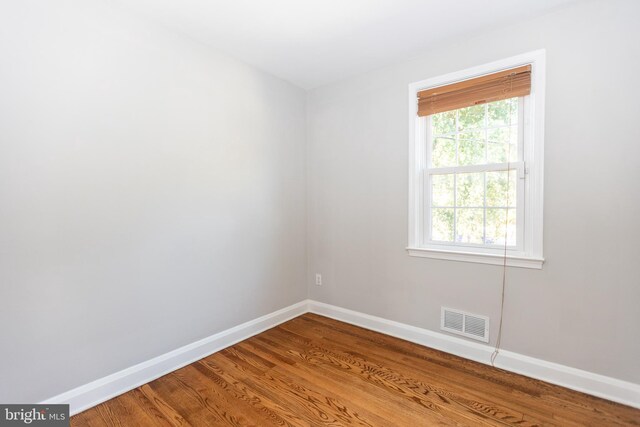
x,y
488,88
315,371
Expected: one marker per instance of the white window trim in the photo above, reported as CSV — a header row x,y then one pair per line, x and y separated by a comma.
x,y
530,254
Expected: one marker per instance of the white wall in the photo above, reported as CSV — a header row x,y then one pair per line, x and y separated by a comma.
x,y
151,193
582,309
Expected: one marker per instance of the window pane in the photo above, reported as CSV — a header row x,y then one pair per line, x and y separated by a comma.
x,y
471,148
469,225
442,190
502,113
503,135
471,117
443,152
496,226
442,224
470,189
499,150
499,188
443,123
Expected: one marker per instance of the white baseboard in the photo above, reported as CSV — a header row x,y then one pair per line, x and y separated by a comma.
x,y
602,386
98,391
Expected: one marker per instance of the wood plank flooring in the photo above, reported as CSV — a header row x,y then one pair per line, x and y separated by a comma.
x,y
315,371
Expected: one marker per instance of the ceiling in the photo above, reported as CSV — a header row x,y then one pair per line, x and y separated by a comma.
x,y
314,42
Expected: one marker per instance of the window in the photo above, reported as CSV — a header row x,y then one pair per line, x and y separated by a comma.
x,y
476,164
472,175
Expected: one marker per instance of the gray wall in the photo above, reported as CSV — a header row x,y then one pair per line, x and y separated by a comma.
x,y
152,193
582,308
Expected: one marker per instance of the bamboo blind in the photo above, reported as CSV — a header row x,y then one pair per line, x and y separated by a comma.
x,y
491,87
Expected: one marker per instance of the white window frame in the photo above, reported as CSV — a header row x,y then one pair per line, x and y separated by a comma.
x,y
529,167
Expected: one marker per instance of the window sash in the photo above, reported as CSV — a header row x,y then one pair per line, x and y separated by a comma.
x,y
519,169
429,136
517,166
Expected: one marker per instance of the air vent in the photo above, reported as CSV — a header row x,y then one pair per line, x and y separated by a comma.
x,y
465,324
453,320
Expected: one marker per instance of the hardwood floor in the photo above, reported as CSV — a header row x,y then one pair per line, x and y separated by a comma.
x,y
315,371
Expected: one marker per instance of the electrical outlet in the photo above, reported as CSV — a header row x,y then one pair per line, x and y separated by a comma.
x,y
318,279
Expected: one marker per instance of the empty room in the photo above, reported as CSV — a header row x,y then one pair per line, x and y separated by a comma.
x,y
319,213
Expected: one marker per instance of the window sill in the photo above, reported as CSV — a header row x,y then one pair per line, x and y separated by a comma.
x,y
512,261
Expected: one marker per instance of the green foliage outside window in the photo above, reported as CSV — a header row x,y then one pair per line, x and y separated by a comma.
x,y
473,207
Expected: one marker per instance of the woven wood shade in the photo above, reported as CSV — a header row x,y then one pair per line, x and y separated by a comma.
x,y
489,88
